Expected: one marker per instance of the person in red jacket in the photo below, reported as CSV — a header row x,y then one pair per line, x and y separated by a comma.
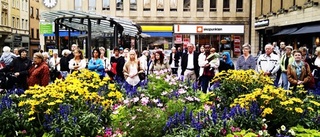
x,y
39,73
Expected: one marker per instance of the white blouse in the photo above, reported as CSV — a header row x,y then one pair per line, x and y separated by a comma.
x,y
82,64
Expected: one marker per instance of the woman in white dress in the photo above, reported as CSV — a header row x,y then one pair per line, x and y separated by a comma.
x,y
131,69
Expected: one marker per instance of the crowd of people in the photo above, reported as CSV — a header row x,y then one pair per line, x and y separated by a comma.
x,y
287,67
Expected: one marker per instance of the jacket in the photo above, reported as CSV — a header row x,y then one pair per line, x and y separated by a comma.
x,y
184,63
268,64
97,66
292,74
283,60
39,75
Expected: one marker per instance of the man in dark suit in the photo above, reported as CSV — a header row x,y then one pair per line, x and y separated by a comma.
x,y
174,60
189,64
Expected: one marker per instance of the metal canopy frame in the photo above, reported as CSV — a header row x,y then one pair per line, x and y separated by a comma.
x,y
91,23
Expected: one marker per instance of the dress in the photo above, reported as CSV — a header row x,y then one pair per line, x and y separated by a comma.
x,y
132,71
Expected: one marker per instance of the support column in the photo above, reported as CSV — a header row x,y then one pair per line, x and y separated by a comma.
x,y
69,37
115,36
88,51
56,32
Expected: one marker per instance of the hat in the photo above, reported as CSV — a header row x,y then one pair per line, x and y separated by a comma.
x,y
290,47
55,51
120,48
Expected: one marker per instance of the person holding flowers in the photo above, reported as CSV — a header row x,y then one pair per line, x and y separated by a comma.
x,y
96,64
160,65
298,72
78,62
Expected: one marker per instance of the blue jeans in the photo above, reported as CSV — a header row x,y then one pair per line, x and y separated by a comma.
x,y
205,83
284,80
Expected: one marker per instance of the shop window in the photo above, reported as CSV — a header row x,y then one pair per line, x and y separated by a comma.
x,y
213,5
106,5
173,5
186,5
199,5
77,4
119,4
133,5
159,5
146,5
226,5
239,5
92,5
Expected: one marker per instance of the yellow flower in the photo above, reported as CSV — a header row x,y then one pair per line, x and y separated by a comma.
x,y
311,109
298,110
31,113
266,111
51,103
74,97
48,111
315,103
58,101
107,103
32,118
21,104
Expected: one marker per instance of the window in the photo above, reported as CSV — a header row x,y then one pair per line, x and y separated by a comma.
x,y
37,13
92,5
13,3
119,4
186,5
27,27
106,5
2,18
146,5
13,18
18,23
22,23
17,4
31,12
173,5
239,5
37,33
133,4
213,5
160,5
199,5
77,4
32,33
6,18
26,5
226,5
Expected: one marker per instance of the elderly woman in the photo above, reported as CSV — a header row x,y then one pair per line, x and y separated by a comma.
x,y
298,72
246,60
96,64
20,66
132,68
78,62
39,71
7,56
160,65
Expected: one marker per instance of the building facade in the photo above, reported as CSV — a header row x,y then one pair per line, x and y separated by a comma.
x,y
159,19
296,22
34,25
14,28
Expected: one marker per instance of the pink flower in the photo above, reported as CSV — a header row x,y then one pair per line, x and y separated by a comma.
x,y
233,129
182,91
126,101
136,99
223,132
206,107
24,131
144,101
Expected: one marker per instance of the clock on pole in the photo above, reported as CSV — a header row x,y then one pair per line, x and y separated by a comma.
x,y
50,3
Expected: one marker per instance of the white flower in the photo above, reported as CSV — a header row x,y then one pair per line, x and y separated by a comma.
x,y
265,126
206,107
155,100
128,124
182,91
189,98
283,128
158,77
264,120
136,99
164,93
292,132
142,95
126,101
144,100
115,112
260,132
134,117
196,99
139,110
160,105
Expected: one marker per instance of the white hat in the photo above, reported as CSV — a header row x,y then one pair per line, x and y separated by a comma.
x,y
290,47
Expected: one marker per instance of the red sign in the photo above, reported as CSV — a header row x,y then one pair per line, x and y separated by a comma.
x,y
178,39
186,40
236,43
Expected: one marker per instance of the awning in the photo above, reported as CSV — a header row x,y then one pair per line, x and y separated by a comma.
x,y
159,34
307,29
64,34
157,28
285,31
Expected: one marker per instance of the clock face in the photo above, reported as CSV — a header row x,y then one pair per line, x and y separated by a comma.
x,y
50,3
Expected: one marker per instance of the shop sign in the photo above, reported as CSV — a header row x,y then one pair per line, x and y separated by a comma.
x,y
209,29
46,28
261,23
236,43
178,39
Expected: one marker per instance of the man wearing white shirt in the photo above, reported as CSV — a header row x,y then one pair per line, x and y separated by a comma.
x,y
268,63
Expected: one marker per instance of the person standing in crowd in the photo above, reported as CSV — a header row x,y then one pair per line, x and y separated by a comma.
x,y
55,66
20,67
16,52
73,47
189,64
6,56
206,73
316,66
305,57
246,61
160,65
174,61
268,63
64,63
96,64
132,68
202,49
39,71
299,71
226,62
282,49
285,60
117,63
46,58
144,60
106,61
151,60
78,62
